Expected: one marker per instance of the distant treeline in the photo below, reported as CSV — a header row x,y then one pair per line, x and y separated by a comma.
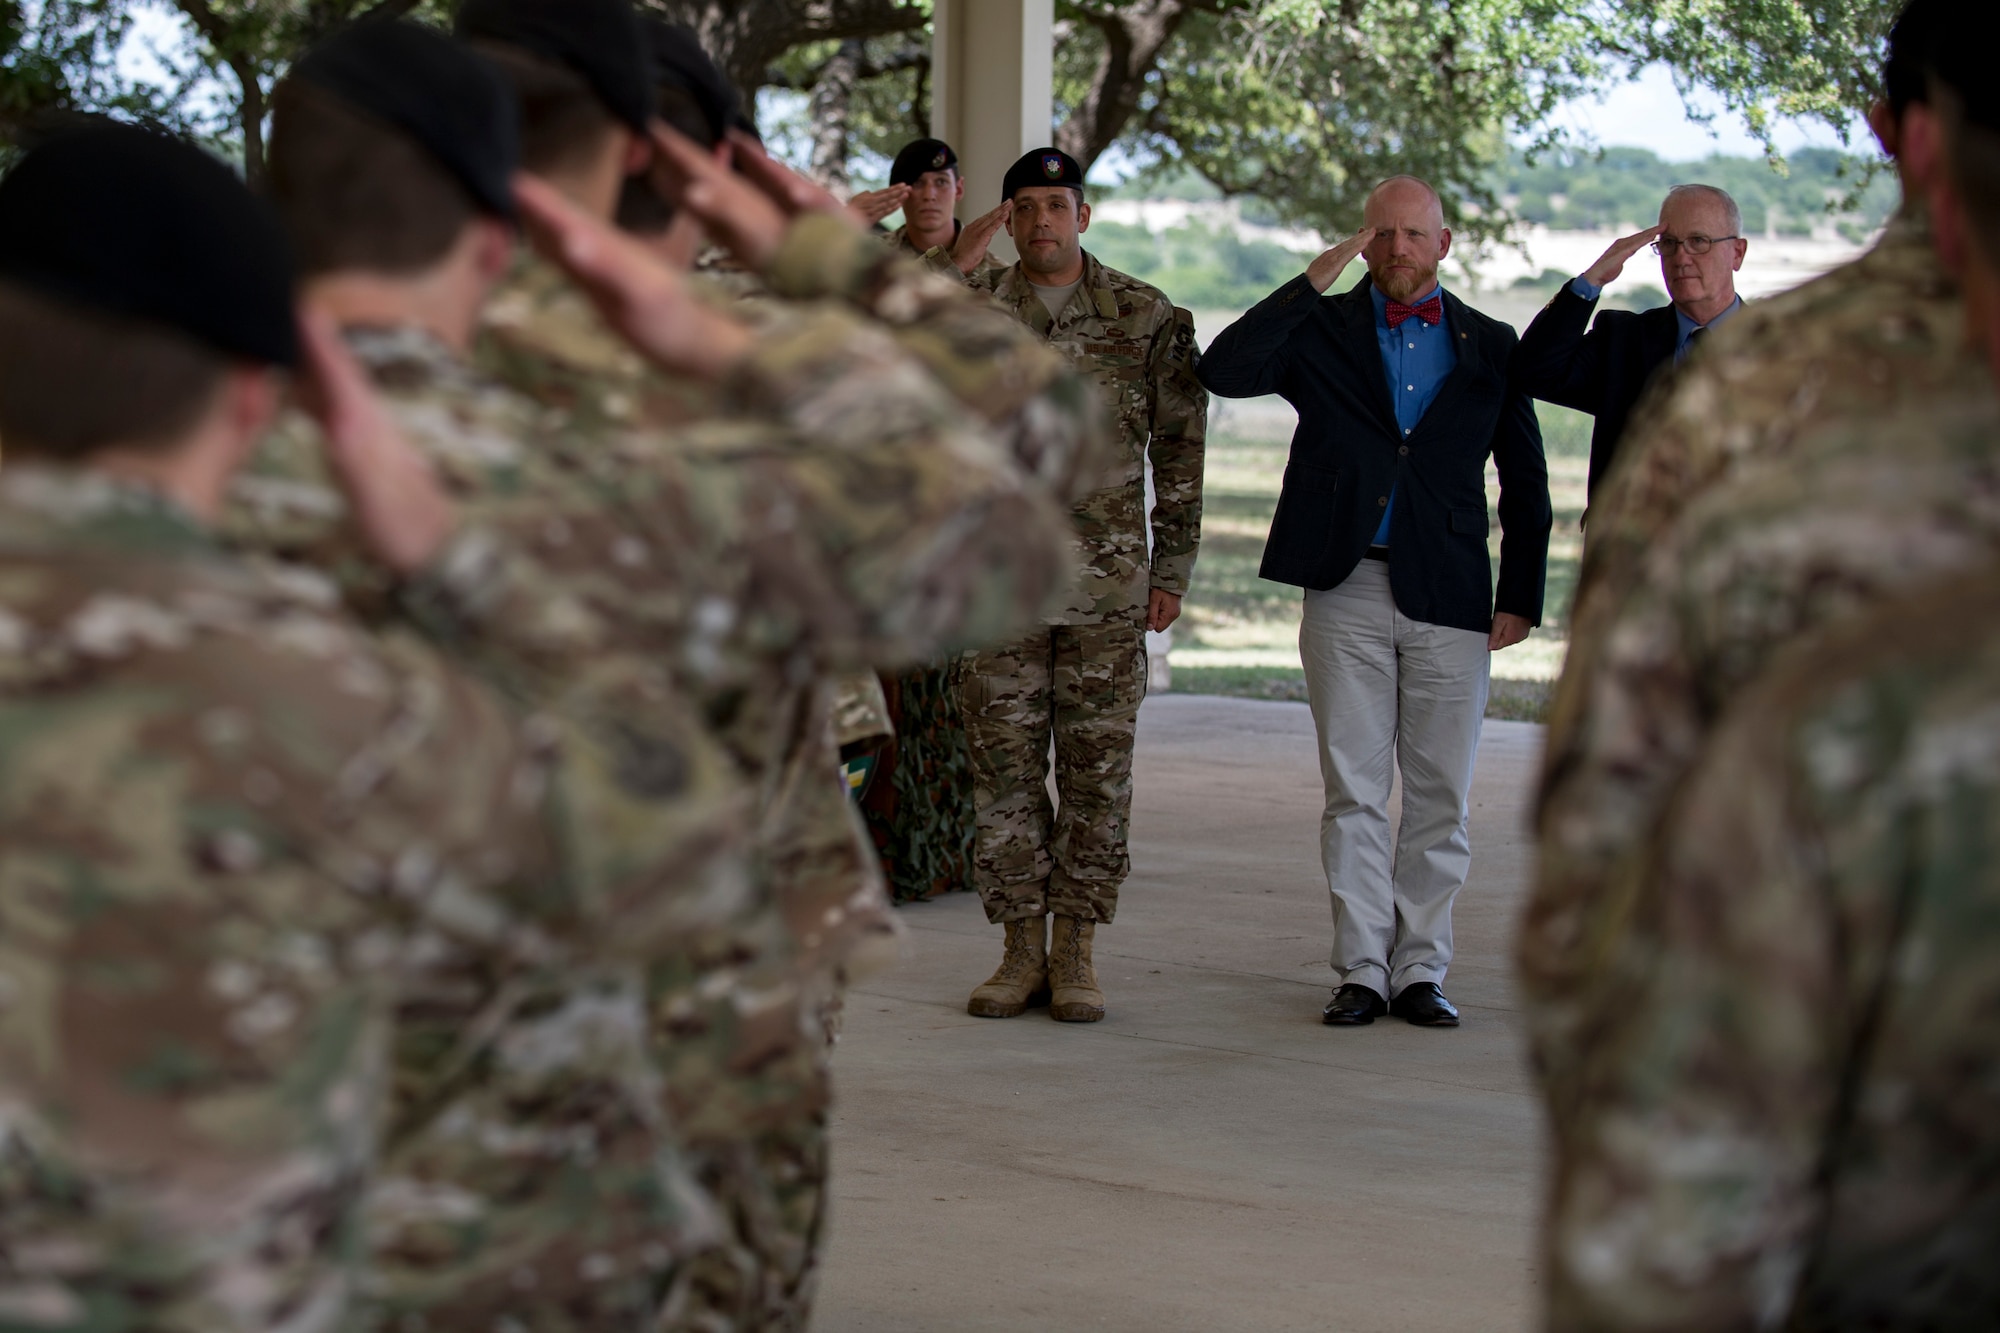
x,y
1621,188
1202,266
1210,267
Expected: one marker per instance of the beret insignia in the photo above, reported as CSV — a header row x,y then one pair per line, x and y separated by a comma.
x,y
937,162
1052,166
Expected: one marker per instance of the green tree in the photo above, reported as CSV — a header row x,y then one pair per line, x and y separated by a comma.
x,y
1298,103
1305,103
60,56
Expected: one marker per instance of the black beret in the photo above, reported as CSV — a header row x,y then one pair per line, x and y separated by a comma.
x,y
679,62
131,222
1905,66
437,91
1042,166
599,39
920,156
1961,58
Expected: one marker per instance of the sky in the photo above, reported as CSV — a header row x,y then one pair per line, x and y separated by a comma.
x,y
1649,113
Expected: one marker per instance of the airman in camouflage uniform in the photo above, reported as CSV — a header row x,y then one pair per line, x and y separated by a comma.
x,y
654,561
810,852
1764,920
926,184
1080,679
542,338
1786,1116
1882,334
1857,513
722,557
326,846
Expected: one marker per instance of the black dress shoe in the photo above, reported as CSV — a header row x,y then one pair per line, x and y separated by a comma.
x,y
1423,1003
1353,1007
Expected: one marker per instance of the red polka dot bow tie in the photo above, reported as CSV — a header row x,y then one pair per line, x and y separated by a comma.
x,y
1430,312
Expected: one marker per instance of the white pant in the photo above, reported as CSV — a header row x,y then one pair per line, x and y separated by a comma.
x,y
1388,690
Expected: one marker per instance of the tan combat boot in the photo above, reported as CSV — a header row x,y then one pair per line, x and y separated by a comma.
x,y
1072,976
1023,978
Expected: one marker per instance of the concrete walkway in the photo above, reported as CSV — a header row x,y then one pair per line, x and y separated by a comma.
x,y
1209,1157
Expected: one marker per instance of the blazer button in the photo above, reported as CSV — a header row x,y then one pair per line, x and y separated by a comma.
x,y
1403,449
1382,503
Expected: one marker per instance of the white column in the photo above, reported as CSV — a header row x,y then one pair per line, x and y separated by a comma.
x,y
992,91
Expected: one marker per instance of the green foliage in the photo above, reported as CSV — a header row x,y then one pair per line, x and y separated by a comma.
x,y
58,56
61,55
1202,265
1299,105
890,104
1621,189
1305,104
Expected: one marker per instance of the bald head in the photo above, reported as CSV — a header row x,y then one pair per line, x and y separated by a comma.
x,y
1405,193
1410,237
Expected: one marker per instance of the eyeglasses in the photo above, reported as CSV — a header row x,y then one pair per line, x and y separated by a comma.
x,y
1696,245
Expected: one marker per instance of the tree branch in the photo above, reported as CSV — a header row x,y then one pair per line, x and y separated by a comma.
x,y
1134,36
917,58
249,79
746,37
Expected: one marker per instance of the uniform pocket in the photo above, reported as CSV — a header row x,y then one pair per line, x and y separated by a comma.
x,y
1471,522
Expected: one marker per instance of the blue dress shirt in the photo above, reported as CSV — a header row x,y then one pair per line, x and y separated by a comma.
x,y
1590,291
1416,359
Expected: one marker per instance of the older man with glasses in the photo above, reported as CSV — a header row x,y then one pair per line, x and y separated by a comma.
x,y
1603,371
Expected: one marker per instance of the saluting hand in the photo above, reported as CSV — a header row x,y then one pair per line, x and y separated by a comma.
x,y
975,238
741,216
642,298
871,206
790,191
1332,263
399,504
1612,262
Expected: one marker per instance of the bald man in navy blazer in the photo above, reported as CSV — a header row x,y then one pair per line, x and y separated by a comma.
x,y
1403,396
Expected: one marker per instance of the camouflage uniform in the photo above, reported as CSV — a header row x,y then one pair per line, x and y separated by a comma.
x,y
1883,333
542,338
920,815
545,341
1081,677
322,840
984,274
1788,1115
1855,515
724,556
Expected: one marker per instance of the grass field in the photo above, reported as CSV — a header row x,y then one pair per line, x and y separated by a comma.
x,y
1239,635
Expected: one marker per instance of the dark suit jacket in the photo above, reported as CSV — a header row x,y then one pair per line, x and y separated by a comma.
x,y
1320,353
1602,372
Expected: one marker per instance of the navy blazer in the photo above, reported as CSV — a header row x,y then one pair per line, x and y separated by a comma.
x,y
1320,354
1602,372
